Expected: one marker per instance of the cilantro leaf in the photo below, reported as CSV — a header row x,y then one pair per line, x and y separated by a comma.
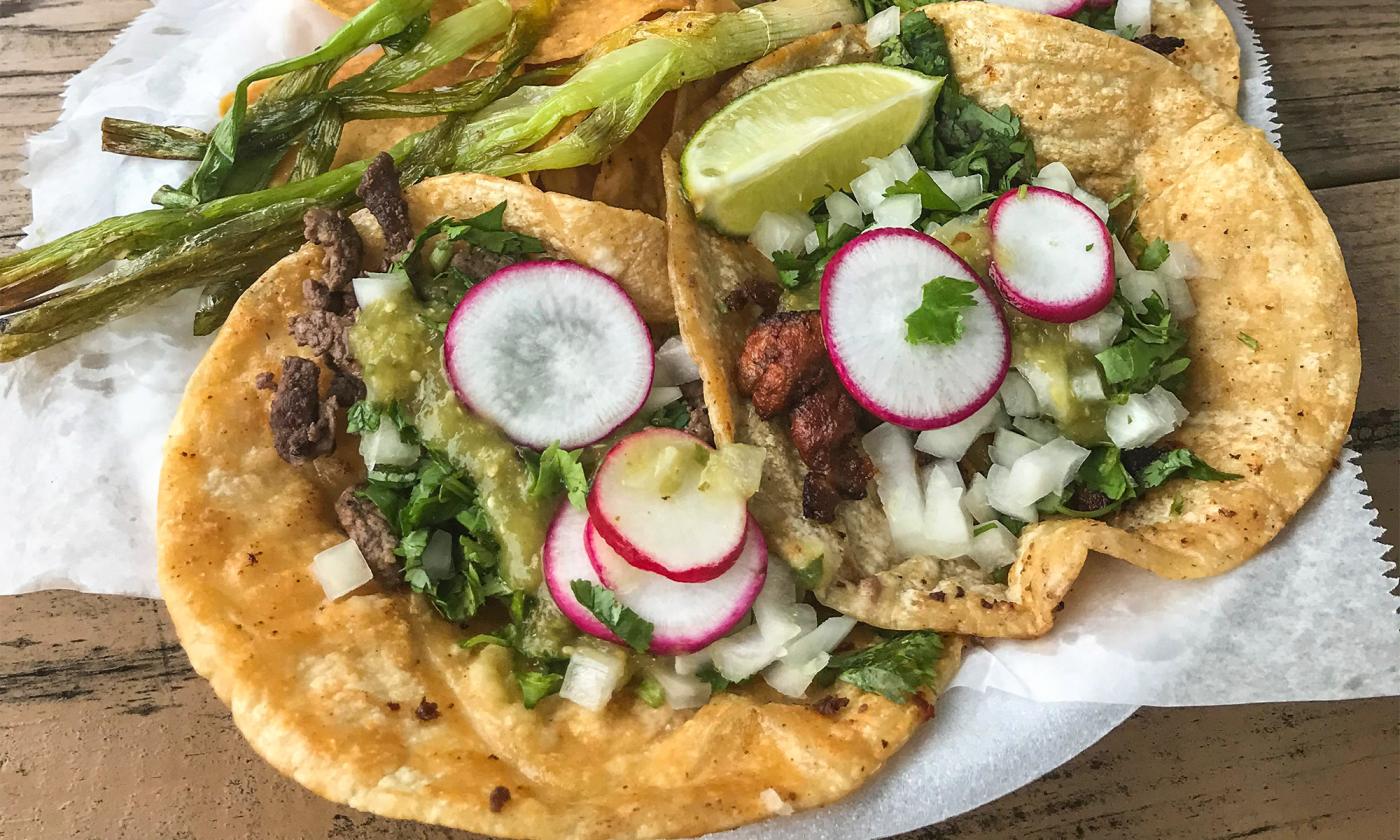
x,y
939,318
1149,350
711,675
629,627
1103,471
929,193
535,685
1154,255
895,667
362,417
1181,462
672,415
558,468
1248,340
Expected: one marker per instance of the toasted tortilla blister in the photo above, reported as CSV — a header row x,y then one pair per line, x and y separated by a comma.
x,y
1115,114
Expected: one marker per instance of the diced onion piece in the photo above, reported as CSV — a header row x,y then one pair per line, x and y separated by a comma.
x,y
386,447
1122,263
744,654
736,466
773,801
844,210
437,556
682,691
1138,286
1181,262
592,676
882,26
1037,430
674,364
1041,384
953,441
1046,470
1055,176
1008,447
688,664
897,483
1087,386
780,232
993,548
1017,396
1093,202
1134,15
793,680
341,569
975,500
999,495
869,188
901,163
823,639
898,211
962,189
661,395
948,470
1179,297
773,609
811,242
1144,418
1098,331
947,526
377,286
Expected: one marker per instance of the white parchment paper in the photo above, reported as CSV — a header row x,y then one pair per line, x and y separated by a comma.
x,y
1310,618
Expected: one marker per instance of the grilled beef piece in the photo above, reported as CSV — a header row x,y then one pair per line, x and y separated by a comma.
x,y
783,359
362,522
380,191
758,293
479,263
303,426
821,422
1160,44
327,335
699,425
344,252
819,497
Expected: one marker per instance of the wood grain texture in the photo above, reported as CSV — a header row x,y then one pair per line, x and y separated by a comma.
x,y
106,732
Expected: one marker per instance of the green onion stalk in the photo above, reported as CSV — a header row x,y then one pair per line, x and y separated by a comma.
x,y
617,87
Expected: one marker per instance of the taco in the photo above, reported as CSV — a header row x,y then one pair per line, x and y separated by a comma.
x,y
1182,381
373,612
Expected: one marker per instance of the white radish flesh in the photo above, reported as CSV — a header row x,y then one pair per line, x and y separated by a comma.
x,y
670,526
550,351
1051,256
565,561
869,288
685,617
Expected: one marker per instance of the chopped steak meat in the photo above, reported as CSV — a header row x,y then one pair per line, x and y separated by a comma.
x,y
699,425
1136,460
344,252
362,522
479,263
1160,44
303,427
265,381
784,365
782,360
346,388
327,335
380,191
1087,499
756,292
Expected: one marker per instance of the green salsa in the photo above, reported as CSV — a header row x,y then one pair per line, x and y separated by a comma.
x,y
1050,349
401,356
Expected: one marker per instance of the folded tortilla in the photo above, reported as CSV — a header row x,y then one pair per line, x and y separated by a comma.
x,y
1114,114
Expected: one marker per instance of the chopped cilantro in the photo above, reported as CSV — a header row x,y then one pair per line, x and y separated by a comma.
x,y
939,318
712,676
938,207
810,575
558,469
1098,18
1103,471
1153,255
537,685
650,691
362,417
1249,341
1149,350
672,415
983,528
896,666
1181,462
1001,574
629,627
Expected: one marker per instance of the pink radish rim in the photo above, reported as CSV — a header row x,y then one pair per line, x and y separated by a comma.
x,y
564,598
1053,313
633,554
1063,9
502,275
671,645
908,421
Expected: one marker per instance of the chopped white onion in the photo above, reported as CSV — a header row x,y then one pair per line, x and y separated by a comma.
x,y
1134,16
341,569
993,548
901,164
869,188
823,639
1042,472
1008,447
897,482
1167,404
811,242
1041,384
1055,176
947,526
1144,418
882,26
953,441
1087,385
1098,331
843,211
999,495
437,556
1017,396
377,286
774,802
674,364
592,676
899,211
975,500
1037,430
962,189
386,447
688,664
661,395
947,469
1093,202
773,610
793,680
1181,262
1179,298
683,691
780,232
1122,263
744,654
1138,286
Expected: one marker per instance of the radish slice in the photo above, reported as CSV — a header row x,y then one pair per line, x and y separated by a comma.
x,y
550,351
1052,257
565,561
869,288
685,617
647,503
1058,8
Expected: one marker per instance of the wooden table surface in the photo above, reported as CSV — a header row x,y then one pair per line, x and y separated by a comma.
x,y
106,732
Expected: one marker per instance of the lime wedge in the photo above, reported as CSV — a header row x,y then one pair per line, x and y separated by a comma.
x,y
781,146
